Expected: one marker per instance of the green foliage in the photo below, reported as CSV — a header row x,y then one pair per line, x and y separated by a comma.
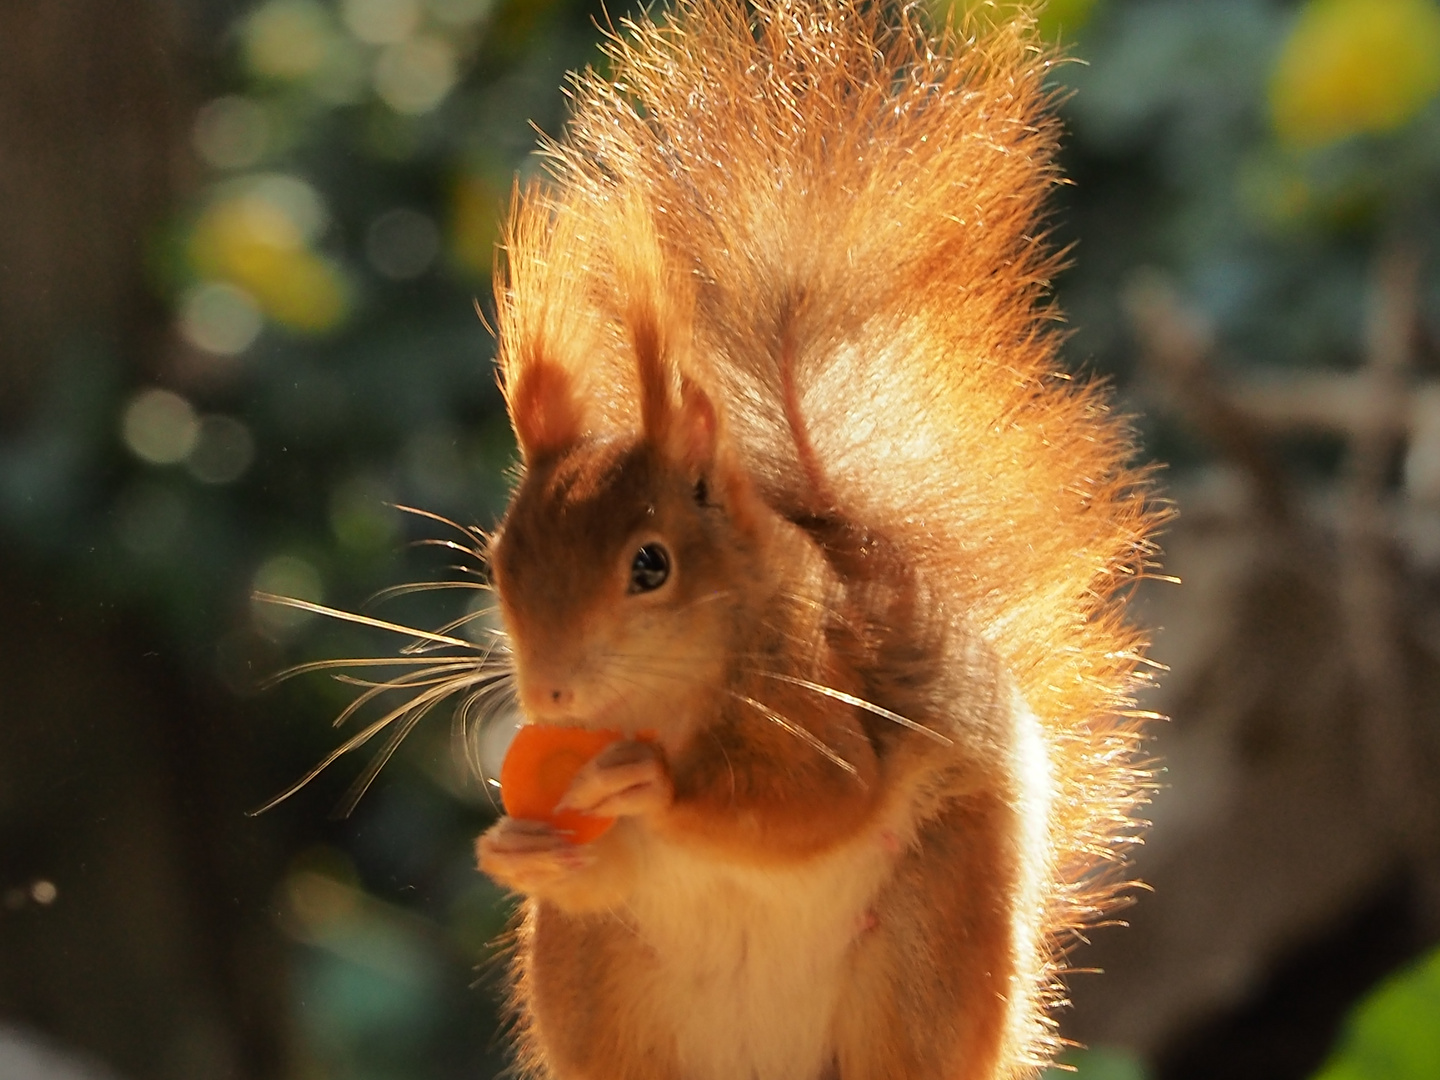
x,y
1394,1034
1097,1063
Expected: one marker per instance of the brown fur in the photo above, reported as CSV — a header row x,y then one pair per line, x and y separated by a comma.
x,y
792,258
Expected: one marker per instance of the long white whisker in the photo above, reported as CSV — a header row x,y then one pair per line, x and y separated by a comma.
x,y
454,624
708,598
424,586
358,661
363,620
422,677
435,541
407,681
859,703
471,715
469,532
805,736
426,698
817,605
354,742
362,783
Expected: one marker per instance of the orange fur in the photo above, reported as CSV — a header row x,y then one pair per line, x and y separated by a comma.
x,y
831,223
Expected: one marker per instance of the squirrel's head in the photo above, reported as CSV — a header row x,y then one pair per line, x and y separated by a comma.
x,y
623,562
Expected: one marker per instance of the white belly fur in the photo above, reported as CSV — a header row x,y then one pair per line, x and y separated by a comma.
x,y
750,960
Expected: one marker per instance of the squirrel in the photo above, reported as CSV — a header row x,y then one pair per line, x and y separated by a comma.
x,y
807,499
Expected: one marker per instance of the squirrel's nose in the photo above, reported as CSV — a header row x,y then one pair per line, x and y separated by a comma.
x,y
550,686
548,696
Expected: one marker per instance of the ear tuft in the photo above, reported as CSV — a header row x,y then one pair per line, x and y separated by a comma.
x,y
543,411
694,434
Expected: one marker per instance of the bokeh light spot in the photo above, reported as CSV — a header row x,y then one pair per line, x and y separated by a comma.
x,y
344,78
381,22
435,465
1355,66
223,451
220,318
476,208
402,243
231,132
460,12
1057,20
414,76
289,576
361,515
256,238
159,426
149,518
287,39
294,198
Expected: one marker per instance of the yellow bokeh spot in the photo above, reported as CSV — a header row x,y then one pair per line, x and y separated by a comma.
x,y
1274,191
477,204
288,39
1355,66
1058,20
252,243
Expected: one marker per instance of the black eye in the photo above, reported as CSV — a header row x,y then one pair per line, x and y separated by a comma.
x,y
702,491
649,568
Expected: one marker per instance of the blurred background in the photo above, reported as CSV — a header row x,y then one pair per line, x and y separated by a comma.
x,y
241,247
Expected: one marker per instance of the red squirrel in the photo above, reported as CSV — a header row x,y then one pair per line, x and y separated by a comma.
x,y
807,499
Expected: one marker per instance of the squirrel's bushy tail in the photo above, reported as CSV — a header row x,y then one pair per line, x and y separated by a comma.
x,y
834,220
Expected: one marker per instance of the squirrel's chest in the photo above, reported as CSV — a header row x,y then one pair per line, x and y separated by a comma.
x,y
750,962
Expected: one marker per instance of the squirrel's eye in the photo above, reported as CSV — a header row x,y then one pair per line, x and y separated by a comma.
x,y
649,568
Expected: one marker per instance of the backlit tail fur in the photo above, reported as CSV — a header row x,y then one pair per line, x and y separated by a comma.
x,y
832,220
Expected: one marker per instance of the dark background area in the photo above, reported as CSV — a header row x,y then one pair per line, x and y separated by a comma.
x,y
240,249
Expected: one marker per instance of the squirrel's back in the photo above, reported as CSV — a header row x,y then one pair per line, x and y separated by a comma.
x,y
833,221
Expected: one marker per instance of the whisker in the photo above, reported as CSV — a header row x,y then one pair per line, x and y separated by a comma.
x,y
708,598
407,589
375,691
362,783
433,541
454,624
354,742
363,620
471,716
859,703
425,699
470,532
481,571
356,661
412,680
804,735
817,605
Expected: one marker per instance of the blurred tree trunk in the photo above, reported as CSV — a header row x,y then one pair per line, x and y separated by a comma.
x,y
126,870
93,106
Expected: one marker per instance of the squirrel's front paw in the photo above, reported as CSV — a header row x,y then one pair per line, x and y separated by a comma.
x,y
626,779
531,857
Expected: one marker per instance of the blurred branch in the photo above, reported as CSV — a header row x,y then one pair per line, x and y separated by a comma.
x,y
1176,344
1369,580
1351,404
1368,589
1378,412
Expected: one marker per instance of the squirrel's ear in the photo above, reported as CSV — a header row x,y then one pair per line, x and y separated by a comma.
x,y
694,430
543,411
